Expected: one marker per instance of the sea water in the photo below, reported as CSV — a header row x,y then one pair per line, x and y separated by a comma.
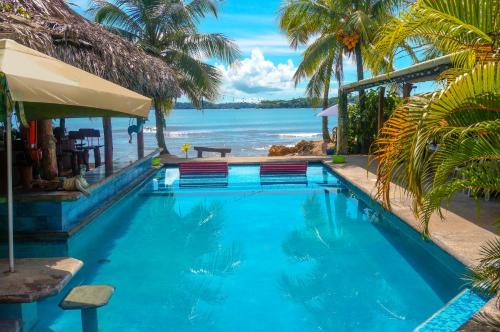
x,y
248,132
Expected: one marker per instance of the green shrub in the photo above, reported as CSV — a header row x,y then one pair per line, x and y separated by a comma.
x,y
363,126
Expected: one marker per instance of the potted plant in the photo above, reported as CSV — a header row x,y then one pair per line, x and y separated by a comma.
x,y
338,159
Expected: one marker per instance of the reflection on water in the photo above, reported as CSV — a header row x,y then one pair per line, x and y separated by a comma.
x,y
348,285
194,237
167,268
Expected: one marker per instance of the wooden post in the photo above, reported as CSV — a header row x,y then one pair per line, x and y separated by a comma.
x,y
48,145
381,102
407,87
108,145
342,134
62,125
140,140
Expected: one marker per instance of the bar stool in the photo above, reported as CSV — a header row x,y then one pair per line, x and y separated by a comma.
x,y
87,299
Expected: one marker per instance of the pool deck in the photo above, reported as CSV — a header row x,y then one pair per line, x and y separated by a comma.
x,y
461,235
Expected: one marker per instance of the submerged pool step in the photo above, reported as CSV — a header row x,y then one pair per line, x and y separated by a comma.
x,y
232,189
454,314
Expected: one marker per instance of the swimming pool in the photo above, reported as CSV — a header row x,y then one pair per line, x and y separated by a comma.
x,y
293,256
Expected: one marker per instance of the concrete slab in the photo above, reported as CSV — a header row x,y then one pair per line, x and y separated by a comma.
x,y
35,278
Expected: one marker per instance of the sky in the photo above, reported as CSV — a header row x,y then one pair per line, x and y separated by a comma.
x,y
267,64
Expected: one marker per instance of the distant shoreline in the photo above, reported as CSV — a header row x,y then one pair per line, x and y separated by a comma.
x,y
265,104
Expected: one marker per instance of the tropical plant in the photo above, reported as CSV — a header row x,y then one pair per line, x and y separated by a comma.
x,y
338,27
363,123
305,20
438,144
168,29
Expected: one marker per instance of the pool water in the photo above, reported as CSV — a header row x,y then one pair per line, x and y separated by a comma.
x,y
241,256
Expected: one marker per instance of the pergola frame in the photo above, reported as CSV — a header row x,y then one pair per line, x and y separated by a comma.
x,y
421,72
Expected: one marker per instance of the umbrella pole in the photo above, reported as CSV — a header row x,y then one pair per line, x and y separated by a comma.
x,y
10,196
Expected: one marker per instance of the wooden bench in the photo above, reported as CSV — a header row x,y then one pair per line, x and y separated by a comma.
x,y
283,168
88,299
222,151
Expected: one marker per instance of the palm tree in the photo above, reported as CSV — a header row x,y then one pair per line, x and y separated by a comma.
x,y
463,118
302,21
341,27
168,29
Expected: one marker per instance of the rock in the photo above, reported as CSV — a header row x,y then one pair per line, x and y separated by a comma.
x,y
281,150
303,148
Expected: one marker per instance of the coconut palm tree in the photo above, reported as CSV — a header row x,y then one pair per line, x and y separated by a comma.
x,y
306,20
168,29
338,28
360,20
463,119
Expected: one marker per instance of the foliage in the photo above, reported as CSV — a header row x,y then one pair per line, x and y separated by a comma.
x,y
468,29
363,124
168,29
330,30
436,145
318,21
485,277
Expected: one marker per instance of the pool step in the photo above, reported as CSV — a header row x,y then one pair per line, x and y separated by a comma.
x,y
10,325
454,314
235,190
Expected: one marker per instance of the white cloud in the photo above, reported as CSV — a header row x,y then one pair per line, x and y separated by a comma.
x,y
257,75
274,44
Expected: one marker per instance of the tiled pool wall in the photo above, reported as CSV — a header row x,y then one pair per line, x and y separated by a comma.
x,y
42,220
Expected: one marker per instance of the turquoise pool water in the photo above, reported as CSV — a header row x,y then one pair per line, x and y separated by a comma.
x,y
291,256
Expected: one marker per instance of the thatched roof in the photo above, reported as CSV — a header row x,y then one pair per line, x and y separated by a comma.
x,y
53,28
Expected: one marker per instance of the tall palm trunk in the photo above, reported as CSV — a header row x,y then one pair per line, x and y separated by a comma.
x,y
326,94
361,76
160,126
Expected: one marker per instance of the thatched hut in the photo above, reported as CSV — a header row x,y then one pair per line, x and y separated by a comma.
x,y
52,27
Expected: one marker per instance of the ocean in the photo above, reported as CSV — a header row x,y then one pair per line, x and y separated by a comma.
x,y
248,132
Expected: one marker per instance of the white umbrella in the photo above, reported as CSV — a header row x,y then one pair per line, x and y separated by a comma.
x,y
330,111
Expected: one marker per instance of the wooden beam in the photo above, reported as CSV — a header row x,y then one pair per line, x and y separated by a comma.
x,y
108,145
381,102
140,140
424,71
